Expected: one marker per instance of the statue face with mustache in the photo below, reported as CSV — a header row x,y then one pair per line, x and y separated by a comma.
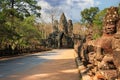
x,y
110,29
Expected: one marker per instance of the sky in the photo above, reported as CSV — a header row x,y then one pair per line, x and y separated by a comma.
x,y
71,8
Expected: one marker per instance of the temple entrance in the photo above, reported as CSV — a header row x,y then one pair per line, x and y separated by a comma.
x,y
66,42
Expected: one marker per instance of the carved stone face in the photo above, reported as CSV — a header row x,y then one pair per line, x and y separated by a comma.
x,y
110,29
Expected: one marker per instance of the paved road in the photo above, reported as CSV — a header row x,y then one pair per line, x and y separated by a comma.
x,y
9,68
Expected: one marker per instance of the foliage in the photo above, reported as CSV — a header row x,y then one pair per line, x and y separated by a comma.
x,y
28,31
119,8
20,8
98,20
17,23
98,23
89,14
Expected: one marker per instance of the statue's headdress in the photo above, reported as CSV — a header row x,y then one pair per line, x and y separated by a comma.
x,y
111,16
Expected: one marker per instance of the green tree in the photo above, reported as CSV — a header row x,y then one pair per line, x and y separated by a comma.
x,y
17,22
98,19
20,8
119,8
88,15
28,31
98,23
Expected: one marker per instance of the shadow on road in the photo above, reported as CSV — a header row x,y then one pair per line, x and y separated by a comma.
x,y
61,69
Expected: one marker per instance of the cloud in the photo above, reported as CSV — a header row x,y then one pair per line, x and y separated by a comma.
x,y
71,8
44,15
55,3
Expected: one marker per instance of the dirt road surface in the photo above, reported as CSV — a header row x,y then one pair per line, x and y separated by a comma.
x,y
59,66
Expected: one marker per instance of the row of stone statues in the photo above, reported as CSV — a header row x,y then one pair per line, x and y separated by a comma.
x,y
101,56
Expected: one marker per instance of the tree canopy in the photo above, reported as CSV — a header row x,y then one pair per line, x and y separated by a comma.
x,y
17,22
20,8
88,15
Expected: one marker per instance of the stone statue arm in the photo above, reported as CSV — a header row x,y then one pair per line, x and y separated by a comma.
x,y
99,54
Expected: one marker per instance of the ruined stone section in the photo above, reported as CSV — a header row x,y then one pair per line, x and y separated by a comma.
x,y
116,49
116,39
70,28
63,24
116,60
60,37
70,42
101,57
107,62
78,44
67,29
110,28
55,26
